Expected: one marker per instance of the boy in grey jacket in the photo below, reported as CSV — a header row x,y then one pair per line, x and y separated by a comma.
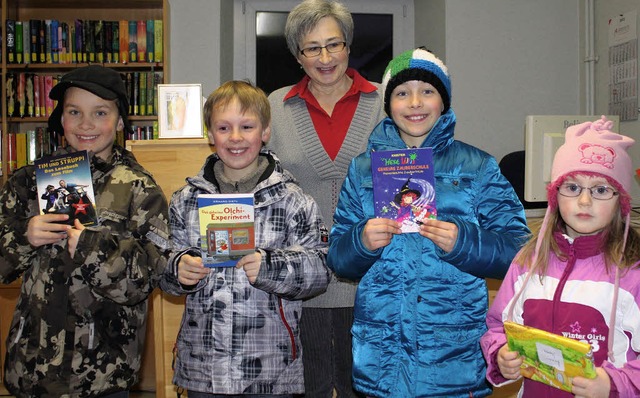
x,y
239,332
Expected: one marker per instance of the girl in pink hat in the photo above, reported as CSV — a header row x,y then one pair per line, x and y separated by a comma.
x,y
579,275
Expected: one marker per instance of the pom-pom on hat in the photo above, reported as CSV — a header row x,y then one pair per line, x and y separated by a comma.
x,y
592,148
418,64
104,82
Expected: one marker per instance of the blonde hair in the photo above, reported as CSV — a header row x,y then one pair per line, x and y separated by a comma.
x,y
250,98
612,246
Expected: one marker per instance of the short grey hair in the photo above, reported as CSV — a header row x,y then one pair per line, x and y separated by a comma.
x,y
304,17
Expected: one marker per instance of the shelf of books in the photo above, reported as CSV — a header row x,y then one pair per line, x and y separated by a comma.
x,y
46,39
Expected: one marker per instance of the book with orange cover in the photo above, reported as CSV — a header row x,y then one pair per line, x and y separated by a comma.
x,y
548,357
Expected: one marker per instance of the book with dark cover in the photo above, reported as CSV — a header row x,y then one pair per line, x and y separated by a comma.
x,y
78,39
42,41
133,41
108,41
34,27
548,357
98,40
150,41
135,93
226,228
10,27
404,186
48,55
65,187
90,40
115,41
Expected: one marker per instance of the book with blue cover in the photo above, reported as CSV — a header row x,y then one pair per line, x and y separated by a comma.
x,y
404,186
226,228
65,187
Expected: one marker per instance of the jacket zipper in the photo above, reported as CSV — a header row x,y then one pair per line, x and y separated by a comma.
x,y
294,354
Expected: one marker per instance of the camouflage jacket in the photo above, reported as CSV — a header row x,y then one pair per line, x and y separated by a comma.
x,y
237,337
79,325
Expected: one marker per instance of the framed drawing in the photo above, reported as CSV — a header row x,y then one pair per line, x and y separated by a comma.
x,y
180,111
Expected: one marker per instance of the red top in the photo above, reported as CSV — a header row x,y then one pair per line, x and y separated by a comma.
x,y
332,129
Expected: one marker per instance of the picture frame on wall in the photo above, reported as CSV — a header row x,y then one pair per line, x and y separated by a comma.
x,y
180,111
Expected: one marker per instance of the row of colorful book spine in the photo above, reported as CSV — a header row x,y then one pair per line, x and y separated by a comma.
x,y
27,93
27,146
84,41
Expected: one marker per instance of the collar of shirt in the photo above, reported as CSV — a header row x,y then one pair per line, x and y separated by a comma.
x,y
360,85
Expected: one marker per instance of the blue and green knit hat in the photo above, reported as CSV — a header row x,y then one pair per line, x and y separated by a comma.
x,y
418,64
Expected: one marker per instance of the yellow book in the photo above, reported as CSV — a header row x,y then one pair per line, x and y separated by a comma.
x,y
548,357
157,42
21,149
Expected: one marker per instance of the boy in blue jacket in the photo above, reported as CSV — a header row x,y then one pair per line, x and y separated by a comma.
x,y
422,298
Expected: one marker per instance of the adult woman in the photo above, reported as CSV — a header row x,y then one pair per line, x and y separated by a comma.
x,y
318,126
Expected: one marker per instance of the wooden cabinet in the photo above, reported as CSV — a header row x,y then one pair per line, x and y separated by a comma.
x,y
69,11
8,298
170,161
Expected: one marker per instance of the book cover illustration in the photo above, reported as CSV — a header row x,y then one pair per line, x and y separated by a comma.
x,y
548,357
404,186
65,187
226,228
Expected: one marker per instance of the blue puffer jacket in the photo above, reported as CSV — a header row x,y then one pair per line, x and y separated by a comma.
x,y
419,311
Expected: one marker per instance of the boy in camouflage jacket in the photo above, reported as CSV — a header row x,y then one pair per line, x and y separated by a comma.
x,y
79,325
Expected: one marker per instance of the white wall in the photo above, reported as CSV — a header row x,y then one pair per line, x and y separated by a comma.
x,y
507,59
195,42
606,9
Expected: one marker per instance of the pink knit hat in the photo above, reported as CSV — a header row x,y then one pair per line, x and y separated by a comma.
x,y
592,148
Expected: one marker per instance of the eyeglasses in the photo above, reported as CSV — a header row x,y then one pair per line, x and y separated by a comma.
x,y
315,51
599,192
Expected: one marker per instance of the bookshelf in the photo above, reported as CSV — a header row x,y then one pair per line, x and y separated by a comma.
x,y
69,11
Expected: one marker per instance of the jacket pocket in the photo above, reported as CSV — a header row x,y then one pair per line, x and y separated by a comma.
x,y
451,350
